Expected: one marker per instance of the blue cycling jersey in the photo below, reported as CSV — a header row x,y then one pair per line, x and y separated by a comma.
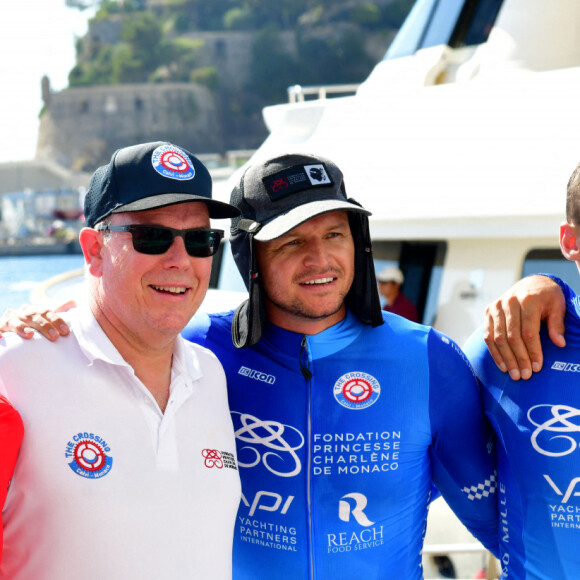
x,y
339,436
538,429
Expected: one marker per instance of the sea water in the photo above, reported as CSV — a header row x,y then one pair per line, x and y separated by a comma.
x,y
20,274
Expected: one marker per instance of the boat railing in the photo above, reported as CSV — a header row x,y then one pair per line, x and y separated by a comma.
x,y
298,93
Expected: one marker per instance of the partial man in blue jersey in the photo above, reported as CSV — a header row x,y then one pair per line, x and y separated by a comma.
x,y
538,423
344,415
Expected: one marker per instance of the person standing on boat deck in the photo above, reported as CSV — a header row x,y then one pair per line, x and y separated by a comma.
x,y
127,468
344,415
390,280
538,430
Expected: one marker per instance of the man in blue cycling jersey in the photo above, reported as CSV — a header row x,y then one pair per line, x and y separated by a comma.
x,y
538,428
344,415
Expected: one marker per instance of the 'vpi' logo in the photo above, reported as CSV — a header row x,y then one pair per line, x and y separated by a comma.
x,y
360,503
569,492
276,502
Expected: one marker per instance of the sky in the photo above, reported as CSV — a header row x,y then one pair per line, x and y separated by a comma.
x,y
37,38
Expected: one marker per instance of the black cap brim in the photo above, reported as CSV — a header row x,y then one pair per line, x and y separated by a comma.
x,y
217,209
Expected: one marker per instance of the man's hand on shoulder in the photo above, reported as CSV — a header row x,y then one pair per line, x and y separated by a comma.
x,y
512,324
26,319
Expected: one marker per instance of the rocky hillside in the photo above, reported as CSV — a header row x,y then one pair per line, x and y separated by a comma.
x,y
199,72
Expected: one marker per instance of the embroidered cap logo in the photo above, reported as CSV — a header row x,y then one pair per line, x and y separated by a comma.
x,y
172,162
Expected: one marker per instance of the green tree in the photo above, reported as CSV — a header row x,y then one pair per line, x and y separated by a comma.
x,y
154,46
367,13
142,51
272,69
126,66
200,14
281,13
97,71
238,19
338,59
183,57
207,76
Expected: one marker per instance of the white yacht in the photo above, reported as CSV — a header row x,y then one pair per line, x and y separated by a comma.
x,y
461,142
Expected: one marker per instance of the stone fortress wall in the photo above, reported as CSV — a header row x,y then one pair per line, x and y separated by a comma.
x,y
81,127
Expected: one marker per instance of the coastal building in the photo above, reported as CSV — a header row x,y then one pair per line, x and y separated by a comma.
x,y
40,207
41,202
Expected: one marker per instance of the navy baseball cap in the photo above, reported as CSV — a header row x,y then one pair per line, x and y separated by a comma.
x,y
148,176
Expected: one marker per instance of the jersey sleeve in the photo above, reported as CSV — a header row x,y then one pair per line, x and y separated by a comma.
x,y
11,432
197,329
213,331
569,294
463,451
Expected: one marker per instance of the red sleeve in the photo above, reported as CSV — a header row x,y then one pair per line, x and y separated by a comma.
x,y
11,432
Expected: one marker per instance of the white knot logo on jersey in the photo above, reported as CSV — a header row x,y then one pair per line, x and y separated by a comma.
x,y
270,443
558,419
88,455
357,390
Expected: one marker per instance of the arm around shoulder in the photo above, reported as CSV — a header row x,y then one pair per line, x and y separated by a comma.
x,y
512,323
26,319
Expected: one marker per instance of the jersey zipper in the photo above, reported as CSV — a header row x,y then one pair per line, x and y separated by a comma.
x,y
307,374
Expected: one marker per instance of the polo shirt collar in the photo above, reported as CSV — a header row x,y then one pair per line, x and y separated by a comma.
x,y
96,345
93,341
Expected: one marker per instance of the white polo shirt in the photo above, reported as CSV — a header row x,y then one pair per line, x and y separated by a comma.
x,y
106,486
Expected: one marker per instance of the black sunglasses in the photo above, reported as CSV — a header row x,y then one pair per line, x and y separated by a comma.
x,y
199,243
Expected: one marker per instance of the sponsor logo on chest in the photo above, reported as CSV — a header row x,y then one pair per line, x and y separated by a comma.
x,y
365,534
566,367
214,459
357,390
88,455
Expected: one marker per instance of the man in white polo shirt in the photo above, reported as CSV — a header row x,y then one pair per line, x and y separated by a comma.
x,y
127,468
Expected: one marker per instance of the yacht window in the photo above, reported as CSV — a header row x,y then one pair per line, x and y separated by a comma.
x,y
475,23
551,261
422,265
446,17
408,39
452,22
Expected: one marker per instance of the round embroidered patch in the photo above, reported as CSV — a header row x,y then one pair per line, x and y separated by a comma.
x,y
357,390
172,162
88,456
